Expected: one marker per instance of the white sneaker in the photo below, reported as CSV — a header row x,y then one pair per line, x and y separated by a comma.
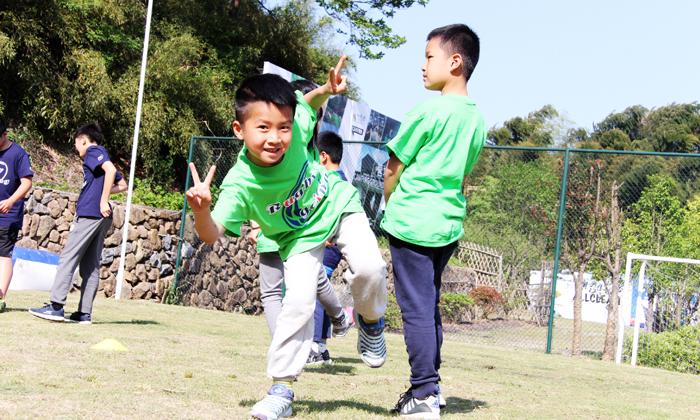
x,y
414,408
277,404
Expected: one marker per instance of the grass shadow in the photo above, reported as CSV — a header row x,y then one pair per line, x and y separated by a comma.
x,y
132,322
347,360
460,405
328,406
333,369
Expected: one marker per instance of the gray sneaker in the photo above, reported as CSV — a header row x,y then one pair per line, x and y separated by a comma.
x,y
341,326
48,312
79,318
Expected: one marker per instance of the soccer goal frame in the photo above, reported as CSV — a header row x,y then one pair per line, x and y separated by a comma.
x,y
631,257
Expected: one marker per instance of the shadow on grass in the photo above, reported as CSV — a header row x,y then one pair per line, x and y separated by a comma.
x,y
333,369
328,406
132,322
460,405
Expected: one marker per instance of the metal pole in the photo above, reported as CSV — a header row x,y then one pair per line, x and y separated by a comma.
x,y
640,291
622,309
555,270
182,220
134,148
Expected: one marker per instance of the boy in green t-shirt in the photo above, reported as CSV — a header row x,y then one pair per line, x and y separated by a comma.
x,y
298,206
436,147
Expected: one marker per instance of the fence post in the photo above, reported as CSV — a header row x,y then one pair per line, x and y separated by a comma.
x,y
555,270
184,215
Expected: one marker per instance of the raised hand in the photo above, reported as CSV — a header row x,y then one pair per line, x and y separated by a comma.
x,y
337,82
199,195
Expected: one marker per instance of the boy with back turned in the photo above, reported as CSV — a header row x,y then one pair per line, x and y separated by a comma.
x,y
436,148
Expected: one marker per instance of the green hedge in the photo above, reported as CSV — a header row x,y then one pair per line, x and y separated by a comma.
x,y
678,350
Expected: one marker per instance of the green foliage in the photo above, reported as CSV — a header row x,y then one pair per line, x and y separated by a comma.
x,y
488,298
392,316
454,305
364,31
530,131
678,350
149,194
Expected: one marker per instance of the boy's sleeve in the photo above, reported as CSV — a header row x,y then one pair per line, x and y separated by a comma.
x,y
95,157
410,138
24,165
230,211
477,144
304,120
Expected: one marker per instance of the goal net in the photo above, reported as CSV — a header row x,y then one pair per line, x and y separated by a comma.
x,y
660,299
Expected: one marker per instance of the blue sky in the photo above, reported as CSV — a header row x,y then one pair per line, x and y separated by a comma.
x,y
586,58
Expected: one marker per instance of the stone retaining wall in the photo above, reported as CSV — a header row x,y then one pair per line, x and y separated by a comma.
x,y
151,250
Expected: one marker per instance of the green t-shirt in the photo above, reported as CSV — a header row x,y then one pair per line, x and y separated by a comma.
x,y
296,203
439,142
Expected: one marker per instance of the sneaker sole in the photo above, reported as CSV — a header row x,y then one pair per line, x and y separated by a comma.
x,y
77,322
263,416
54,318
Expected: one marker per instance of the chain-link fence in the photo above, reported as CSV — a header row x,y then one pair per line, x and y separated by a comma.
x,y
521,226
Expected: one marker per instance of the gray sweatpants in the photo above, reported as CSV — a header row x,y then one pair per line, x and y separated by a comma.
x,y
271,279
366,275
84,246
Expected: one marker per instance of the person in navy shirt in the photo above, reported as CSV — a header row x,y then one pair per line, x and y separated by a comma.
x,y
93,218
15,181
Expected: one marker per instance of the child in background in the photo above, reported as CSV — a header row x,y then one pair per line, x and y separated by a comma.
x,y
93,218
15,181
299,207
436,148
330,151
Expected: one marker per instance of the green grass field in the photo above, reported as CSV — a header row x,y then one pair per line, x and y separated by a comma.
x,y
186,363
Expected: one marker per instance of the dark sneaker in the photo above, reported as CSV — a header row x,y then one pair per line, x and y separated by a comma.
x,y
370,342
441,400
80,318
3,305
276,405
48,312
316,358
411,407
341,326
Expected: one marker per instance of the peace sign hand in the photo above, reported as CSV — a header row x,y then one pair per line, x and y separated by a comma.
x,y
337,82
199,196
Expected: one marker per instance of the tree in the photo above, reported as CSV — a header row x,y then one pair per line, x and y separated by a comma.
x,y
532,131
364,31
582,225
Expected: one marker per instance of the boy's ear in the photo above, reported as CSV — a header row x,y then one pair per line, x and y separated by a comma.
x,y
456,62
238,129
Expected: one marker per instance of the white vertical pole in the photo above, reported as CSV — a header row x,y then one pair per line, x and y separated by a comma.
x,y
134,148
623,308
640,290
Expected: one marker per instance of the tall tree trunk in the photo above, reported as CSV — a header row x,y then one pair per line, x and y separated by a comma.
x,y
611,325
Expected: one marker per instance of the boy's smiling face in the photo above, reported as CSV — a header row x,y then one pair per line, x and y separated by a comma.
x,y
266,131
438,66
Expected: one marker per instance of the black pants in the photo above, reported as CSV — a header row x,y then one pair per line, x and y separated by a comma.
x,y
417,279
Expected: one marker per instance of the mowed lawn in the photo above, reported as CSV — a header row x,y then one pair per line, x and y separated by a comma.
x,y
186,363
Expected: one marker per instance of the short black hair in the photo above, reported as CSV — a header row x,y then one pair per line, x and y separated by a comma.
x,y
92,131
332,144
269,88
459,39
303,85
3,127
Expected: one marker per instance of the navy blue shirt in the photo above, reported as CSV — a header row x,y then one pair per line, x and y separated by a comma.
x,y
93,181
14,165
332,257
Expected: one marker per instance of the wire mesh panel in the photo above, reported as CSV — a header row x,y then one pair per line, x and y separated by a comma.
x,y
498,286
